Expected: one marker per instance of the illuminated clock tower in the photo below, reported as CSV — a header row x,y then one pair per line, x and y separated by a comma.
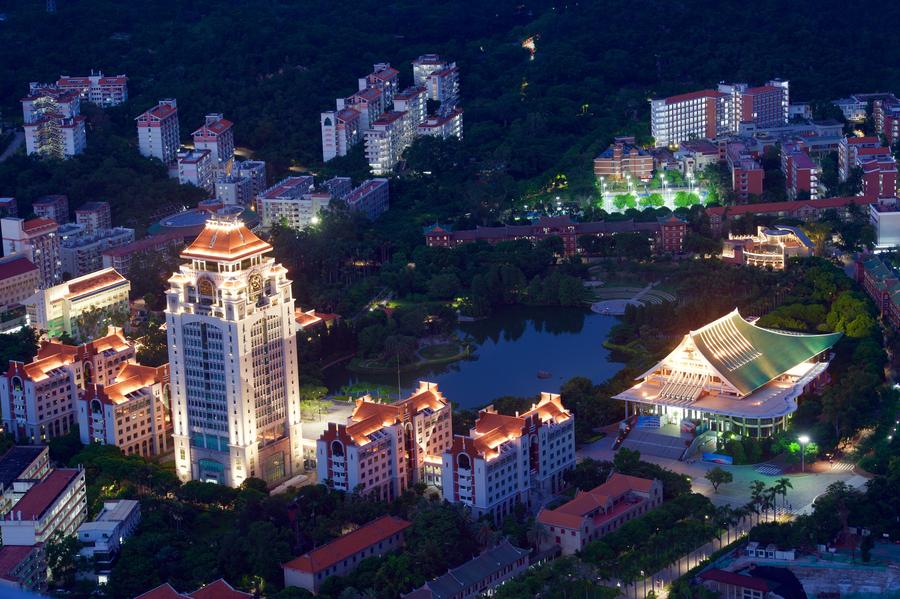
x,y
233,360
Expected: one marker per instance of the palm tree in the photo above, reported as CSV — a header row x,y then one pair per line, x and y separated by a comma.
x,y
769,502
757,491
781,486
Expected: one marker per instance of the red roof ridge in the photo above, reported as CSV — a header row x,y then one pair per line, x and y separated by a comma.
x,y
349,544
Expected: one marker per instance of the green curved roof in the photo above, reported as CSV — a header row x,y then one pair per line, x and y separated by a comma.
x,y
748,356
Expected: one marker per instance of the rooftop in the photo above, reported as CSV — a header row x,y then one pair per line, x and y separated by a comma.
x,y
15,265
39,498
348,544
10,558
705,93
571,513
225,239
16,460
769,207
456,581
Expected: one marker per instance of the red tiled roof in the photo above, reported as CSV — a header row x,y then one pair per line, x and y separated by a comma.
x,y
38,223
739,580
571,513
855,141
225,240
15,267
10,557
762,89
41,496
821,204
216,128
218,589
348,544
163,591
704,93
94,281
388,118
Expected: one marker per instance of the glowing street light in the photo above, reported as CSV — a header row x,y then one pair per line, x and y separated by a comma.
x,y
804,441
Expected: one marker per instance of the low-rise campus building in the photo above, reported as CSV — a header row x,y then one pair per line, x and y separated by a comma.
x,y
478,577
733,376
883,286
771,247
624,158
20,464
23,567
57,503
19,279
343,555
102,538
594,514
804,210
217,589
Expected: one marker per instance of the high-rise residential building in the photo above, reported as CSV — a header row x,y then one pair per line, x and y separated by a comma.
x,y
197,168
443,87
414,102
97,88
231,189
386,140
54,126
386,448
56,504
255,170
712,112
886,114
59,309
158,132
801,173
292,202
851,150
37,240
38,399
384,78
879,177
340,132
623,158
120,258
504,458
95,216
372,198
369,103
233,360
82,253
133,413
217,136
424,66
55,207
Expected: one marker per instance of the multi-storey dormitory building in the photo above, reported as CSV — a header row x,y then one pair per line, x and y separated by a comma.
x,y
504,458
217,136
97,88
385,448
712,112
158,132
38,400
132,413
54,126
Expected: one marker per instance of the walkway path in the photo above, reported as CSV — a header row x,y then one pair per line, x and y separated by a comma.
x,y
13,146
616,307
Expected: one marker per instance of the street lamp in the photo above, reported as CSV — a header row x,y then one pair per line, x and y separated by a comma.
x,y
645,584
804,440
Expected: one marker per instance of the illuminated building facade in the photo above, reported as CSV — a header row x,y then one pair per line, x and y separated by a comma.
x,y
386,448
623,158
771,247
292,202
158,132
217,136
37,240
97,88
801,173
504,458
38,399
733,376
54,126
233,360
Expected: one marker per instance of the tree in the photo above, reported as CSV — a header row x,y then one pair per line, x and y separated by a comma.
x,y
94,322
781,487
62,553
718,476
626,460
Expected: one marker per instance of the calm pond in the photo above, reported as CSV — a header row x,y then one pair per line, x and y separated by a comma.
x,y
511,347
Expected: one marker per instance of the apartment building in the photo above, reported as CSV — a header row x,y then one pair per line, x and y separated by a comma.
x,y
94,216
886,113
443,87
292,202
53,124
39,399
385,448
372,198
58,503
879,176
133,412
340,132
229,309
21,463
102,538
158,132
55,207
801,173
623,158
444,125
36,240
255,170
197,168
414,102
120,258
504,458
342,555
339,187
849,149
58,309
386,140
764,106
234,190
424,66
23,568
746,172
217,136
82,253
97,88
593,514
384,78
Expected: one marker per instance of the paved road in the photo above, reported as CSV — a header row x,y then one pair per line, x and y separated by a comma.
x,y
807,486
16,143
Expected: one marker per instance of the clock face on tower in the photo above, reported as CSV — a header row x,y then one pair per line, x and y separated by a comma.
x,y
255,286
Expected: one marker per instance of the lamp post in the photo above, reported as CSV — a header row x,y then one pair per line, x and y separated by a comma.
x,y
645,584
804,440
